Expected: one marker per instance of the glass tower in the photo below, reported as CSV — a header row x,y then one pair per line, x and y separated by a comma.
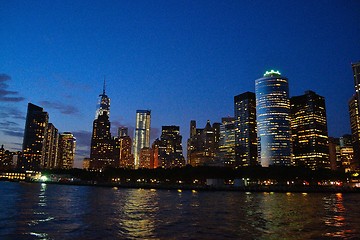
x,y
142,133
273,119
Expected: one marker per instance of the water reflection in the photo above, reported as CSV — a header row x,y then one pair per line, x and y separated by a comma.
x,y
135,213
72,212
335,216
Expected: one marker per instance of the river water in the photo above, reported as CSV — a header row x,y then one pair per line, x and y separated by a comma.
x,y
48,211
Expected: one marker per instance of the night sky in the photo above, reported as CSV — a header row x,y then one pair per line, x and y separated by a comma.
x,y
183,60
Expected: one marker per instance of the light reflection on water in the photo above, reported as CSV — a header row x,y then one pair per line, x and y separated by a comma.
x,y
40,211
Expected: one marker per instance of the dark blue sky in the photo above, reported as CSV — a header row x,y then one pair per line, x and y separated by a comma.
x,y
183,60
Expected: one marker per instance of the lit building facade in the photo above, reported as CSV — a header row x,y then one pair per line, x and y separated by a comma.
x,y
34,138
273,119
309,131
203,144
123,149
6,159
354,111
146,158
170,147
49,160
103,107
142,133
245,129
67,146
334,153
227,142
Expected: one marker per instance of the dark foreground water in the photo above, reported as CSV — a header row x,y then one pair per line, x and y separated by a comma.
x,y
46,211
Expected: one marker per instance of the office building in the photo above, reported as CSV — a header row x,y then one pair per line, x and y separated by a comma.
x,y
334,153
309,131
170,147
34,138
273,119
49,159
6,159
346,152
245,129
67,146
226,152
202,146
122,132
142,133
123,149
146,158
102,144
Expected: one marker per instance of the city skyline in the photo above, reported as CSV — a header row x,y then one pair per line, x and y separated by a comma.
x,y
195,76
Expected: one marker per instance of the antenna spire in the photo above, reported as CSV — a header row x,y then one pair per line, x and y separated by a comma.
x,y
104,86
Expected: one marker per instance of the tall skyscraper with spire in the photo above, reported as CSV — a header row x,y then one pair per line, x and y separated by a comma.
x,y
102,145
104,103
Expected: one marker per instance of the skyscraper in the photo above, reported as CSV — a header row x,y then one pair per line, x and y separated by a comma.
x,y
273,119
102,145
34,137
142,133
354,110
123,149
170,147
355,130
202,146
309,131
227,142
103,105
67,145
245,129
49,159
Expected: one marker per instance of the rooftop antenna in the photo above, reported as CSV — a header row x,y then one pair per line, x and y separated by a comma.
x,y
104,85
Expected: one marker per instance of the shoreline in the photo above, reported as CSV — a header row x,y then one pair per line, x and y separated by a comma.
x,y
187,187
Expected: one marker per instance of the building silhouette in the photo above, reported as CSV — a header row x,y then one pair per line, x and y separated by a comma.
x,y
203,144
6,159
170,150
142,133
34,138
67,146
309,131
245,129
273,119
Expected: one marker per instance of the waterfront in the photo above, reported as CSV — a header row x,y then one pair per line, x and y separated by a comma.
x,y
48,211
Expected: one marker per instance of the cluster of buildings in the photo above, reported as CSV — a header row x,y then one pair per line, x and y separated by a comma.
x,y
121,151
269,128
43,146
